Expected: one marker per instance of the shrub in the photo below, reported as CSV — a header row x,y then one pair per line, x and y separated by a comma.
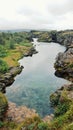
x,y
11,45
3,66
69,127
61,109
3,51
43,126
1,124
3,106
71,65
54,98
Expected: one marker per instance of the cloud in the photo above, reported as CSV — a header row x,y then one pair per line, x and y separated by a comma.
x,y
34,14
60,7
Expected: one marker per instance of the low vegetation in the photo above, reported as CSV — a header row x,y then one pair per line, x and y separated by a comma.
x,y
3,107
63,119
3,66
12,47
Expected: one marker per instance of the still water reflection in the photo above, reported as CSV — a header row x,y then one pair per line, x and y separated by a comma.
x,y
37,80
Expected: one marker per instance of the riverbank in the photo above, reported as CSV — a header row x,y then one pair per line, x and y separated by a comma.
x,y
64,61
12,48
19,114
8,78
61,100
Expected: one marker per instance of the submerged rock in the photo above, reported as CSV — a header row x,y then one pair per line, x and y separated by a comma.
x,y
19,113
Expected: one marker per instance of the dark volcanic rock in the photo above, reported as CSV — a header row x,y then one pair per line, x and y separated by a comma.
x,y
64,64
8,78
31,52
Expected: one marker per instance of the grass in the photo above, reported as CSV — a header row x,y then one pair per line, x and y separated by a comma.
x,y
15,54
64,107
13,46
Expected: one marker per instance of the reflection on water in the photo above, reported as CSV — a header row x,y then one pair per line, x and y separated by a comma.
x,y
37,80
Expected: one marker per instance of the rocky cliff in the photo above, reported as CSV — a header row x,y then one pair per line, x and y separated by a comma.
x,y
8,78
3,106
64,64
64,61
61,100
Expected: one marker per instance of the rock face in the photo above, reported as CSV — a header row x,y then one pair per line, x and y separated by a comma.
x,y
57,96
31,52
3,106
65,38
64,64
8,78
64,61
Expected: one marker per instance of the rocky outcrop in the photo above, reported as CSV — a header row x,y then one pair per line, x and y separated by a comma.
x,y
3,106
58,95
8,78
62,37
64,64
64,61
31,52
65,38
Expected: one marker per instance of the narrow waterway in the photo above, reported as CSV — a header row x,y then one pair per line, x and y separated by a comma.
x,y
37,80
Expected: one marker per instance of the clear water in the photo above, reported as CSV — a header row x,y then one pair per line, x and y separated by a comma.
x,y
37,81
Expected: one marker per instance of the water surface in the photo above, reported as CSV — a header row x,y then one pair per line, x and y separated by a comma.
x,y
37,80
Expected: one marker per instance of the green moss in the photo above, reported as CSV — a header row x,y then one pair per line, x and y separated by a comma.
x,y
54,98
61,109
71,65
63,120
10,125
43,126
69,127
1,124
3,105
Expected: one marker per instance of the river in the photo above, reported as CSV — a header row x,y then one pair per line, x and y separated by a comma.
x,y
37,81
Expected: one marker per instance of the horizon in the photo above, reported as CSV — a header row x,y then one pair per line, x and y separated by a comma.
x,y
28,30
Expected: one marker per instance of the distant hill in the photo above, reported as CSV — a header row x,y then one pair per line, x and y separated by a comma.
x,y
16,30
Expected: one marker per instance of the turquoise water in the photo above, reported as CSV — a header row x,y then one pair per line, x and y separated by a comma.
x,y
37,80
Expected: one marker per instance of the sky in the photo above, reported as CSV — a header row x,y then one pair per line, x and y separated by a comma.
x,y
36,14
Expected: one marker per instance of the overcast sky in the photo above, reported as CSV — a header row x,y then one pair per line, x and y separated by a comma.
x,y
36,14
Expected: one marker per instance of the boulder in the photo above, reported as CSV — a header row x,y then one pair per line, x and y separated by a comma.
x,y
64,64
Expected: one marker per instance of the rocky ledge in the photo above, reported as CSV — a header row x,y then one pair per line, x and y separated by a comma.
x,y
65,92
31,52
64,64
8,78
